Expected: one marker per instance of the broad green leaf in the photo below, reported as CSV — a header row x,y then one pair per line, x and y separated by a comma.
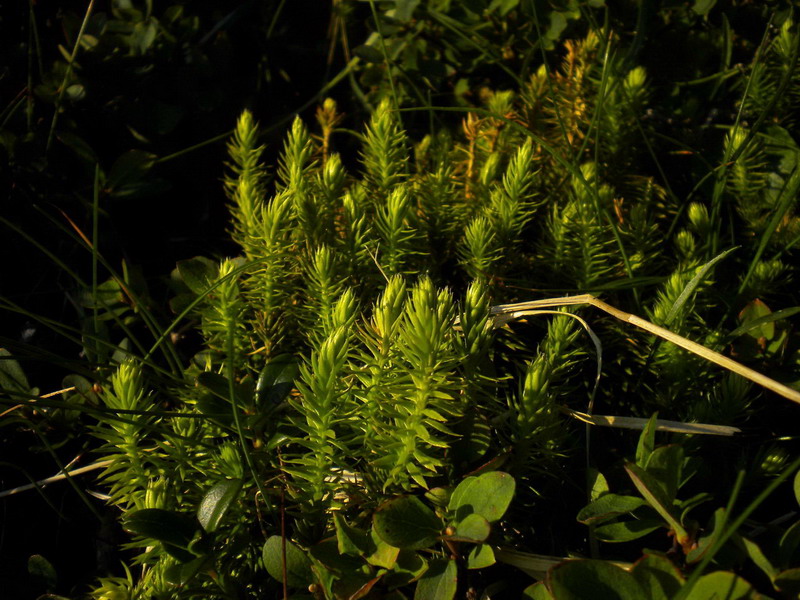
x,y
201,544
658,576
410,566
626,531
198,273
438,496
276,380
143,35
502,6
703,7
439,582
722,585
647,441
353,589
79,146
41,569
690,288
162,525
685,506
656,498
174,530
757,556
75,92
761,332
472,528
12,377
609,506
350,540
404,9
666,466
218,385
758,311
216,503
780,142
788,582
488,495
558,22
778,315
327,553
537,591
797,486
480,556
707,541
298,565
598,483
384,555
95,337
122,352
405,522
83,389
595,579
368,54
215,407
106,296
788,545
181,574
127,176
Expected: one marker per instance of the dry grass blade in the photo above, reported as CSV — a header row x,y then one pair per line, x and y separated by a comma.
x,y
662,424
508,312
536,565
101,464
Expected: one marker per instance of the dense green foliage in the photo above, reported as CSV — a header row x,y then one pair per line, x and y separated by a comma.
x,y
335,410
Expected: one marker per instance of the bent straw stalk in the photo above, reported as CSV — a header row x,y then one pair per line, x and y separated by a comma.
x,y
661,424
505,313
102,464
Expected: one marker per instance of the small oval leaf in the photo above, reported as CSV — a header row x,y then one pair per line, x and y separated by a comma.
x,y
660,578
473,528
721,584
596,579
368,54
609,506
788,582
382,554
182,574
40,568
350,540
276,380
162,525
216,503
656,497
797,486
480,557
626,531
198,273
298,565
666,466
537,591
405,522
488,495
439,581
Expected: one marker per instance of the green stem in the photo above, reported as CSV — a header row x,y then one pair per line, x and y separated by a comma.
x,y
62,89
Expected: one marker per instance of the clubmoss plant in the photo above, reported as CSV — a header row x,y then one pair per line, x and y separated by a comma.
x,y
351,372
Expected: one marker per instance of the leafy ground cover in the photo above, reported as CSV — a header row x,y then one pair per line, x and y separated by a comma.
x,y
385,386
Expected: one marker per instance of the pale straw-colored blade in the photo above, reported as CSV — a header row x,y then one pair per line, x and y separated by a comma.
x,y
536,565
661,424
509,312
102,464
